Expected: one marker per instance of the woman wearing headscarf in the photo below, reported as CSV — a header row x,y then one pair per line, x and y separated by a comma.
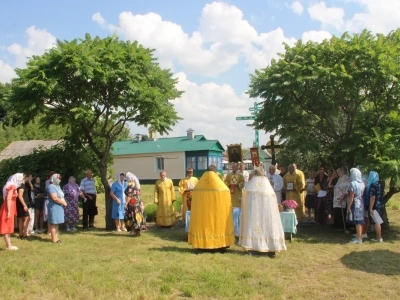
x,y
260,225
56,207
9,208
374,192
355,207
71,193
340,194
118,206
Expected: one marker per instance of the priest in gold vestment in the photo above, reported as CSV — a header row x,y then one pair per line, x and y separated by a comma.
x,y
164,197
235,183
211,220
186,186
293,185
303,190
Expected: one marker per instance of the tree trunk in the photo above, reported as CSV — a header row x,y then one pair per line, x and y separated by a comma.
x,y
107,198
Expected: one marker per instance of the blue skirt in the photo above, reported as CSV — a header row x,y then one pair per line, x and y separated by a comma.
x,y
118,211
55,213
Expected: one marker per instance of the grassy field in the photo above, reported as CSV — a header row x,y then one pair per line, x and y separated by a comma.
x,y
100,264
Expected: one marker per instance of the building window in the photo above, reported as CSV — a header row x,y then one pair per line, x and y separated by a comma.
x,y
191,162
202,163
159,163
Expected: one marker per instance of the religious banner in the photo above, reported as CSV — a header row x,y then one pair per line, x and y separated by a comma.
x,y
235,153
255,158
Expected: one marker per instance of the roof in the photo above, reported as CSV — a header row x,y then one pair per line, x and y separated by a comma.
x,y
22,148
163,145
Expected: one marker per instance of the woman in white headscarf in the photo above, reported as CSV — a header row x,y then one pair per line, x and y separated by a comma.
x,y
9,208
260,224
355,207
56,206
118,206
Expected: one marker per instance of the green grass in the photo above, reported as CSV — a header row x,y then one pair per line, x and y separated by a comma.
x,y
100,264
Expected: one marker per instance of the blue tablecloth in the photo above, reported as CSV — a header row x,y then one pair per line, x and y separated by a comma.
x,y
289,221
236,220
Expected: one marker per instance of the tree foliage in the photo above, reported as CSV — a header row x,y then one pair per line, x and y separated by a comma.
x,y
95,86
338,100
62,158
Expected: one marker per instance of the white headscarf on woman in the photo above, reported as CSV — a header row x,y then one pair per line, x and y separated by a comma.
x,y
355,175
13,180
130,177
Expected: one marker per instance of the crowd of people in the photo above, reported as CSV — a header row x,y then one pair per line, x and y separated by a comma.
x,y
334,198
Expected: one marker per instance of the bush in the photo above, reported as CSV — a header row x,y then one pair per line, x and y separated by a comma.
x,y
177,205
150,211
395,206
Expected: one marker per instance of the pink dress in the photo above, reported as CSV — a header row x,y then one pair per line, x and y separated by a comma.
x,y
7,225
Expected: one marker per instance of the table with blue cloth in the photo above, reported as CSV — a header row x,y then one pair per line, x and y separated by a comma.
x,y
289,223
236,220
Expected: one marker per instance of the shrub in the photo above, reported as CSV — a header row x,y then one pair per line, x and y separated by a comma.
x,y
150,211
395,206
178,204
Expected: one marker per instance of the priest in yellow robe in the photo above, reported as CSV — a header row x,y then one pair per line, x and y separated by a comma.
x,y
214,169
186,186
235,183
293,184
164,197
303,190
211,220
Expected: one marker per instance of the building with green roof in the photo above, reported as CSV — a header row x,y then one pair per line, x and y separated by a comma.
x,y
146,158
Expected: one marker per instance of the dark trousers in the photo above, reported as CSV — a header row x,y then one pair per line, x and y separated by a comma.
x,y
338,218
320,210
88,211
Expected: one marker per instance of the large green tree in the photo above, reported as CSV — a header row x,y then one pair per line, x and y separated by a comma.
x,y
333,98
95,86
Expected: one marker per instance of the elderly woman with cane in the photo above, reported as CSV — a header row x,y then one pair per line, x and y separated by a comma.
x,y
340,195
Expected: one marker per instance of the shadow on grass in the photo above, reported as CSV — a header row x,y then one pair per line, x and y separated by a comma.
x,y
197,251
382,262
324,234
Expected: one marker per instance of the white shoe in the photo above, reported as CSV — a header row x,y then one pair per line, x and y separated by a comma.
x,y
119,230
124,229
378,240
73,229
355,241
68,229
12,248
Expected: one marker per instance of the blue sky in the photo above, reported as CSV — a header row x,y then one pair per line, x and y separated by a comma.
x,y
212,47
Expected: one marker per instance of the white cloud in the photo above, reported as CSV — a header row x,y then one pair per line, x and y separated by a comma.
x,y
98,18
211,109
296,7
222,38
38,41
379,16
328,16
269,45
6,72
315,36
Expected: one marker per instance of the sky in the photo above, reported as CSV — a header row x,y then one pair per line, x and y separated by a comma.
x,y
211,47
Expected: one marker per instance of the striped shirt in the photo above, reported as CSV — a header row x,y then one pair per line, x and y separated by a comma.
x,y
88,185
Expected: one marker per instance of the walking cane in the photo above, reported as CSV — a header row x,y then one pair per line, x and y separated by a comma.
x,y
344,224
